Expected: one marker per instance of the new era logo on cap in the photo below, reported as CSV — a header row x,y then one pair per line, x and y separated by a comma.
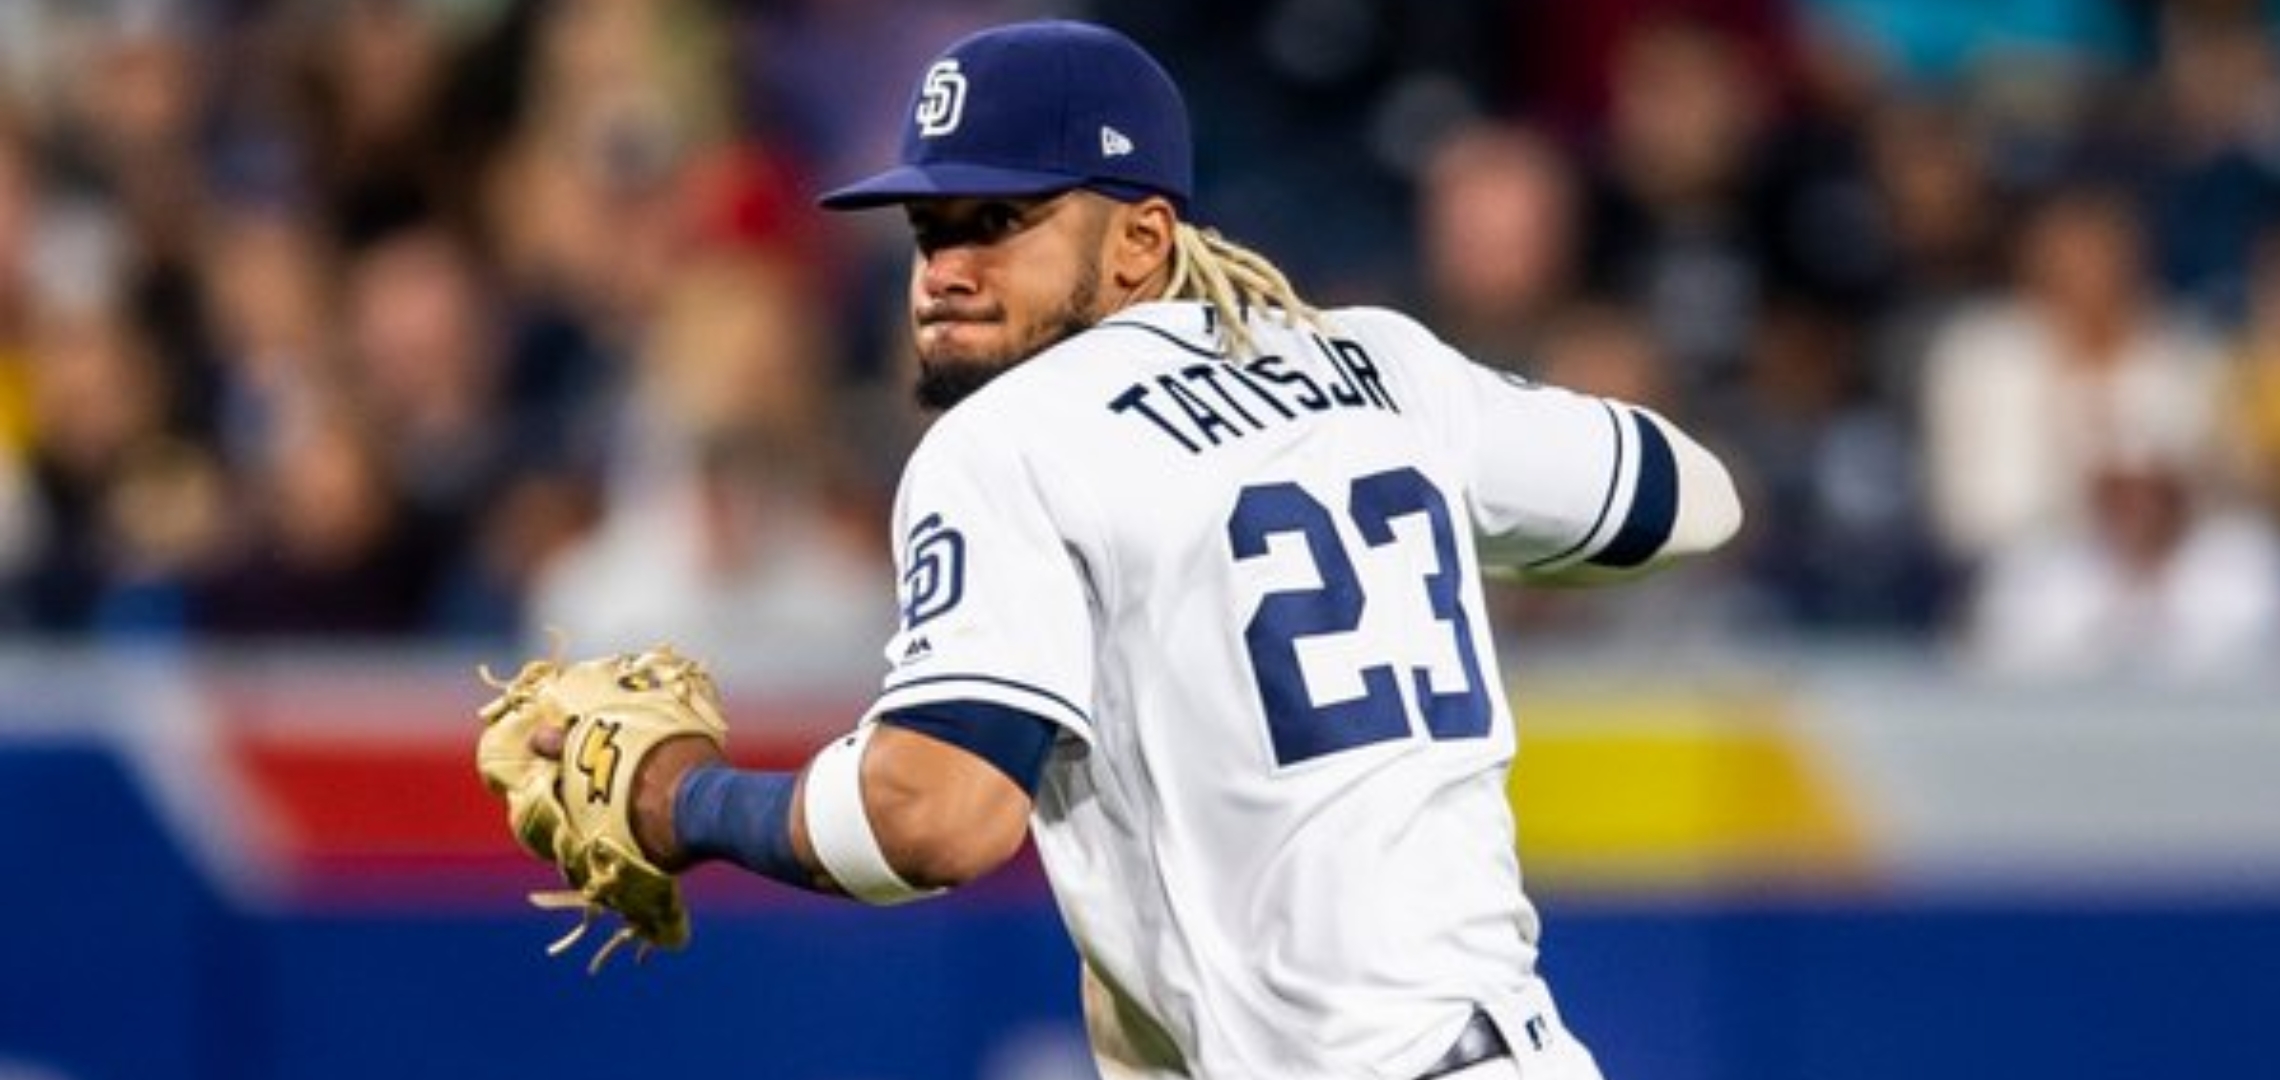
x,y
1036,108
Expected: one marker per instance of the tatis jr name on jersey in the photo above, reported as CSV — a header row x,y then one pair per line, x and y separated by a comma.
x,y
1211,402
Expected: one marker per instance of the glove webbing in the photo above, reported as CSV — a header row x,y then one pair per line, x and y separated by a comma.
x,y
568,899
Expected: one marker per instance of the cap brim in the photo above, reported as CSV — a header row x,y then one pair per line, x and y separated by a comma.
x,y
943,180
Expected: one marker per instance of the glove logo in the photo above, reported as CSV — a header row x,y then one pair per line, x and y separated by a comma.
x,y
934,579
640,681
598,759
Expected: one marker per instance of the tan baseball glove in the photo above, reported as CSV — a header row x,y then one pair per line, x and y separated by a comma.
x,y
577,813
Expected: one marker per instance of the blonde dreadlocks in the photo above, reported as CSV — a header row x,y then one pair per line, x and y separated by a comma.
x,y
1232,279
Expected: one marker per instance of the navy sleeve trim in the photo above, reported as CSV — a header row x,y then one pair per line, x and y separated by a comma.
x,y
1606,501
1167,335
1013,741
1654,502
963,686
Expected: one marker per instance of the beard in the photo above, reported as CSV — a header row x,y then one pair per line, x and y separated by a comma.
x,y
940,386
944,381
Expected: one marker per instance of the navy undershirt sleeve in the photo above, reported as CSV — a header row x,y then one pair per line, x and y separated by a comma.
x,y
1016,742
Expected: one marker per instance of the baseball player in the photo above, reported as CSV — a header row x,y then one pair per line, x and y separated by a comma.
x,y
1191,594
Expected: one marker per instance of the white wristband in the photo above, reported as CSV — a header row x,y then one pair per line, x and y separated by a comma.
x,y
839,828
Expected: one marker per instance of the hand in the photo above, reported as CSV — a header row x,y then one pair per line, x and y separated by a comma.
x,y
578,751
655,784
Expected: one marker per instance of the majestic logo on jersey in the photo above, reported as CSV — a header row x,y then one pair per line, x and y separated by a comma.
x,y
1114,143
934,571
941,99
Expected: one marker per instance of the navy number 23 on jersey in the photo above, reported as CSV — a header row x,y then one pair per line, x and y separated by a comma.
x,y
1301,728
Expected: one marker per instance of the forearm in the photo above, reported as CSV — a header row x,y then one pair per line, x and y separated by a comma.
x,y
885,814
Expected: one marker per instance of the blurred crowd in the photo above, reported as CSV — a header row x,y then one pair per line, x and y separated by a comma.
x,y
462,319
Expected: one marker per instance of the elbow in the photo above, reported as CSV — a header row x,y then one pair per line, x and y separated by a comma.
x,y
1711,516
1709,508
937,838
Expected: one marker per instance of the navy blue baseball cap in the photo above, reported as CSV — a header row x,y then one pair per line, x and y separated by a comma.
x,y
1036,108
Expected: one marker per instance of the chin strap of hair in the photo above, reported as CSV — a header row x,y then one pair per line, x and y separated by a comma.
x,y
1232,279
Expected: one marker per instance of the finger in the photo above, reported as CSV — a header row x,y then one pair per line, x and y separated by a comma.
x,y
546,742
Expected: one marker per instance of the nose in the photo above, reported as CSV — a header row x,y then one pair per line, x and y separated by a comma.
x,y
946,270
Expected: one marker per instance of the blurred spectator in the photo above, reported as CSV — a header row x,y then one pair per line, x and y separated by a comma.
x,y
2253,391
1828,235
1496,208
165,524
424,362
271,310
2154,581
539,514
1836,538
1568,53
1314,111
1600,348
1943,221
19,199
581,209
331,550
20,537
730,527
1671,227
17,207
370,79
125,134
103,448
2214,153
2026,394
569,326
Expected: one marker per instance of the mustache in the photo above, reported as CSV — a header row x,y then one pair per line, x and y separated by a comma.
x,y
944,311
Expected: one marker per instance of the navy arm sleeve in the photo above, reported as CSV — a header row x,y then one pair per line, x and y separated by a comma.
x,y
1014,741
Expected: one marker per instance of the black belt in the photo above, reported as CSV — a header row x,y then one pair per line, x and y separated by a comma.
x,y
1478,1042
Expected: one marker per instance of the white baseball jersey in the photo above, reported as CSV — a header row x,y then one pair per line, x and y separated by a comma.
x,y
1249,593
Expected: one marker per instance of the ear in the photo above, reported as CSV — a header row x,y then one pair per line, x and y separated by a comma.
x,y
1140,242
